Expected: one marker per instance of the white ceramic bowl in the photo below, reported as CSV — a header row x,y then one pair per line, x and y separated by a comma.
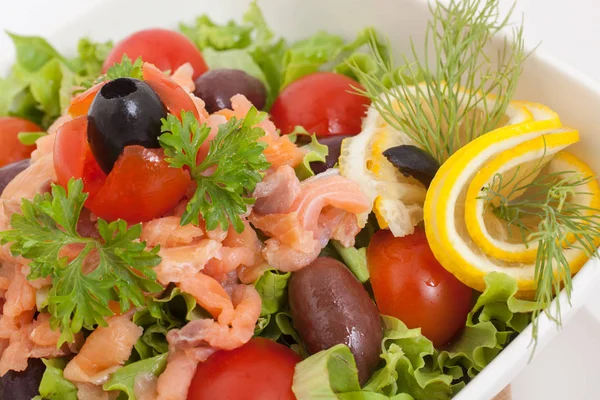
x,y
575,97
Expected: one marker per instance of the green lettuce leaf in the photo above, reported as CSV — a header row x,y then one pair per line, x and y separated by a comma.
x,y
495,319
33,52
53,385
355,259
272,287
42,81
314,152
234,59
123,379
407,372
172,310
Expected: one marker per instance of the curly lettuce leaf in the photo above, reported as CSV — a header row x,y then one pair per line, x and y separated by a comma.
x,y
407,370
172,310
41,82
53,385
123,379
272,287
315,151
495,319
234,59
355,259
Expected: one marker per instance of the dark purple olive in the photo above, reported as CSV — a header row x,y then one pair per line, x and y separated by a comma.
x,y
413,161
334,144
125,112
217,86
22,385
329,306
8,172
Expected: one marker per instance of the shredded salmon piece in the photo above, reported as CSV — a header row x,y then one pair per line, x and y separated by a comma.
x,y
183,77
283,182
226,333
180,262
88,391
94,363
324,208
174,382
168,232
20,295
209,294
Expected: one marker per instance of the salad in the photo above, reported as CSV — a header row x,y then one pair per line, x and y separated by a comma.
x,y
214,212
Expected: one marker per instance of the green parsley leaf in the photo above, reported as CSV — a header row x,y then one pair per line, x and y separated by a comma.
x,y
79,299
126,69
229,172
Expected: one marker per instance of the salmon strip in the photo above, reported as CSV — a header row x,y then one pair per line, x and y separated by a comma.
x,y
286,228
222,334
174,383
183,261
209,294
284,183
168,232
20,295
95,361
183,77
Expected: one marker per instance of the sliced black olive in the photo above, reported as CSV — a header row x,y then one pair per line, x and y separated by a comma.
x,y
334,144
413,161
216,87
8,173
22,385
125,112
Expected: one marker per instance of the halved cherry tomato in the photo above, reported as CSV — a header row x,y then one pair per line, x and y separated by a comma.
x,y
411,285
171,94
141,186
81,103
259,370
162,47
11,148
322,103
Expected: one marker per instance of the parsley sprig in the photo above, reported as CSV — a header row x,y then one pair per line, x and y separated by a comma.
x,y
229,172
124,69
78,299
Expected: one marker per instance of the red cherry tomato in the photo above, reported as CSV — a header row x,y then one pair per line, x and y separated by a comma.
x,y
410,284
74,159
11,149
141,186
322,103
259,370
162,47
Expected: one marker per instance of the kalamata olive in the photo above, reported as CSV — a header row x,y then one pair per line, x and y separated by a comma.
x,y
217,86
8,172
124,112
22,385
329,306
334,144
413,161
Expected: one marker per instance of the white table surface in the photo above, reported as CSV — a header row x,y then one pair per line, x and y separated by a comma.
x,y
567,29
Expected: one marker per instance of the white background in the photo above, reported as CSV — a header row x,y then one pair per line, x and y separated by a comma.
x,y
568,29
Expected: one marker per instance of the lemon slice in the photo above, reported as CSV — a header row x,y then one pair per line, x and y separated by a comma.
x,y
398,200
458,183
517,167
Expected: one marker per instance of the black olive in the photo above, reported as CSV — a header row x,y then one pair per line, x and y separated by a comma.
x,y
413,161
22,385
125,112
216,88
334,144
8,172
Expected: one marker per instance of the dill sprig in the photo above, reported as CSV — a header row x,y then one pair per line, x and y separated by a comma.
x,y
451,106
558,224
